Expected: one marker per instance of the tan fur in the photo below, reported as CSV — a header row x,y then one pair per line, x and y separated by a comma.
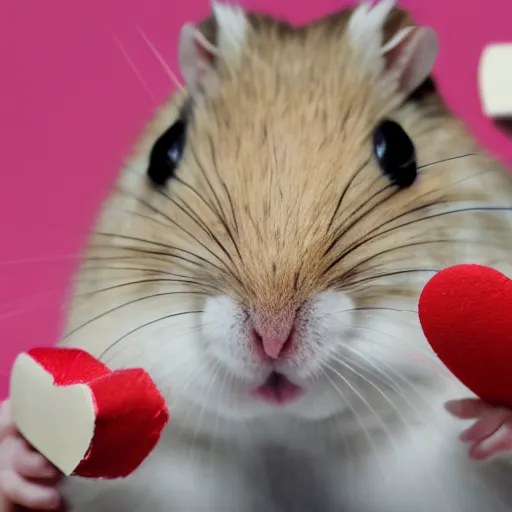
x,y
282,140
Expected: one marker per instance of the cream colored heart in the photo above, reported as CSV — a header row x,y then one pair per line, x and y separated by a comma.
x,y
57,420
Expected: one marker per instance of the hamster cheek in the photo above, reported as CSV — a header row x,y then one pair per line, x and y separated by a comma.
x,y
324,328
227,337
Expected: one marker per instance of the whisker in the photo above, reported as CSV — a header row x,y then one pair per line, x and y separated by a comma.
x,y
141,269
379,373
40,259
39,304
376,308
147,271
159,244
363,240
225,380
132,213
203,408
141,200
356,271
363,211
135,69
220,211
446,160
148,346
220,214
412,434
187,383
131,283
134,301
143,326
361,398
114,276
182,391
348,365
374,386
436,366
179,226
223,183
414,221
343,194
359,264
396,310
399,272
204,225
160,59
386,374
381,422
184,207
423,351
50,293
149,255
356,416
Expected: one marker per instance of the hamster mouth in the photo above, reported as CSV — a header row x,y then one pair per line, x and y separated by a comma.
x,y
278,390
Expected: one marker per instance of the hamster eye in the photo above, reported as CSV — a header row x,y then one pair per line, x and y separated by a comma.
x,y
166,154
395,153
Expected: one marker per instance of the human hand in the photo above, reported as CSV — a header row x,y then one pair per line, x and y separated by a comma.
x,y
27,479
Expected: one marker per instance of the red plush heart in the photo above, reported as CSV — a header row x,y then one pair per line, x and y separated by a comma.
x,y
127,411
466,314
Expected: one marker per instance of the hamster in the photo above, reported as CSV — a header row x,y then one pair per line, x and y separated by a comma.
x,y
262,254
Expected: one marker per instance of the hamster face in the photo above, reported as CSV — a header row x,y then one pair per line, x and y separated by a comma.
x,y
271,262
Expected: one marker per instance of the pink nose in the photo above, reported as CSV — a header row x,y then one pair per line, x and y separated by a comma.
x,y
273,333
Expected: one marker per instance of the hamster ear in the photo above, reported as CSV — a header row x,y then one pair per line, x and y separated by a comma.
x,y
200,59
410,55
407,52
196,59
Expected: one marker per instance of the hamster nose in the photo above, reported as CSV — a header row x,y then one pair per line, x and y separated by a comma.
x,y
273,333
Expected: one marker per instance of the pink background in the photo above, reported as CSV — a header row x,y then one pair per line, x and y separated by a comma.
x,y
71,105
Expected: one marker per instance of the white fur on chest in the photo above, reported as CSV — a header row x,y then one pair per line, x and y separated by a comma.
x,y
422,467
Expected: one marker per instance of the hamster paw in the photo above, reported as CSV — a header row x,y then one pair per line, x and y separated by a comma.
x,y
490,434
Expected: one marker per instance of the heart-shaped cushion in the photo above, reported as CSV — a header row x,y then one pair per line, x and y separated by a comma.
x,y
87,420
466,314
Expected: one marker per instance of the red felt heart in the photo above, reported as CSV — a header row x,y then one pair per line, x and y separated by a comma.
x,y
466,314
128,411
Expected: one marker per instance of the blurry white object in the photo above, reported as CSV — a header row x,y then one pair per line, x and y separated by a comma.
x,y
495,81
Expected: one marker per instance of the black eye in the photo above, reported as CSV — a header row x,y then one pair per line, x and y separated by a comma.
x,y
166,153
395,153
